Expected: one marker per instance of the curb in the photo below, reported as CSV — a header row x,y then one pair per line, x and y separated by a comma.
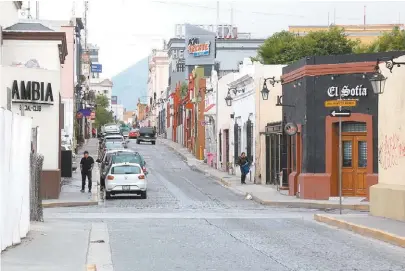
x,y
310,205
69,204
91,267
362,230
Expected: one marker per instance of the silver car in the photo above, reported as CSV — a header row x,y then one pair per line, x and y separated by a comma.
x,y
126,178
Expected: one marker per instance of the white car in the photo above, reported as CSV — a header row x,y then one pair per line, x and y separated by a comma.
x,y
125,178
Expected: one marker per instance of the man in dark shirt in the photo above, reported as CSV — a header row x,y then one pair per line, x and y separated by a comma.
x,y
86,166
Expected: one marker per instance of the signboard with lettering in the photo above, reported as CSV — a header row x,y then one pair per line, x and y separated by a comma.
x,y
198,49
97,68
32,92
338,103
346,91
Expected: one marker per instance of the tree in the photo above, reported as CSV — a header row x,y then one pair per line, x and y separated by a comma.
x,y
285,47
388,41
103,115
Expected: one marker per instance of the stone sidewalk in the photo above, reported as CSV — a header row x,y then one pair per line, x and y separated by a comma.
x,y
70,195
387,230
263,194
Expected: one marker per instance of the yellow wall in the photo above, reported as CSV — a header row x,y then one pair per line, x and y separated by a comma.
x,y
387,198
374,31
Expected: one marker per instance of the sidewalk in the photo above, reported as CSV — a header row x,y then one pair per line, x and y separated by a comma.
x,y
383,229
52,245
70,195
263,194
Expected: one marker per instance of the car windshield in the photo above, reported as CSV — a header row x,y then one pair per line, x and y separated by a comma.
x,y
127,158
147,130
127,169
113,139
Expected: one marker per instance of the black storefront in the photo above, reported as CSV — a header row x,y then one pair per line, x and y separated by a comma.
x,y
311,88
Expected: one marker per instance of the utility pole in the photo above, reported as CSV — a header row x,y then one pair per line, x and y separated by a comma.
x,y
37,10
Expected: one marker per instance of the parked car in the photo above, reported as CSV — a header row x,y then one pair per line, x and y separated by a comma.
x,y
134,133
126,178
110,157
146,134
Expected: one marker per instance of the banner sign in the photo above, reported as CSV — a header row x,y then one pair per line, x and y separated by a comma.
x,y
98,68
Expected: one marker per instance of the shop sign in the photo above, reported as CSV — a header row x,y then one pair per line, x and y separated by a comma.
x,y
198,49
32,92
345,91
291,129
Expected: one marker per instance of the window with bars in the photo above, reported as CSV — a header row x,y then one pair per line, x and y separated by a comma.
x,y
362,154
347,153
354,127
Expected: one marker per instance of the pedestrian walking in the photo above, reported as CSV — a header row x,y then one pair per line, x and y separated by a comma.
x,y
244,165
94,132
86,167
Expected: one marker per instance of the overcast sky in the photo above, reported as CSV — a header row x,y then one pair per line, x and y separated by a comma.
x,y
126,30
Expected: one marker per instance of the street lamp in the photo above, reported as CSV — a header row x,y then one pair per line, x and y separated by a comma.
x,y
377,81
265,92
228,99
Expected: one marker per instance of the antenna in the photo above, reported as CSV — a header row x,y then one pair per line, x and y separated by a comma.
x,y
364,18
231,14
37,10
217,13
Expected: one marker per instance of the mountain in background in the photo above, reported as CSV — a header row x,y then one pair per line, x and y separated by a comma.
x,y
131,84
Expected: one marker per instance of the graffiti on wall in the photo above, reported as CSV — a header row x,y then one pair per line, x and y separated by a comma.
x,y
390,150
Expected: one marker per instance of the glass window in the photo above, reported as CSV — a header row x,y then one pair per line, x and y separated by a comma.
x,y
362,153
354,127
126,170
347,153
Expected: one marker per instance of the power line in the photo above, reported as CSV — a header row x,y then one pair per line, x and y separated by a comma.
x,y
244,11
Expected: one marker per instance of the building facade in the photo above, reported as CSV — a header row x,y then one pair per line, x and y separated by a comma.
x,y
388,196
102,87
311,88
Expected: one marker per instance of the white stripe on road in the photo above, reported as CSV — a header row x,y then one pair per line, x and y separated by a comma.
x,y
99,252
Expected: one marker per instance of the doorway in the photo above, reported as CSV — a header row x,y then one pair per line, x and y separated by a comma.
x,y
226,138
354,159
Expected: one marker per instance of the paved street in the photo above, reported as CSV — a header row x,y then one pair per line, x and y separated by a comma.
x,y
191,222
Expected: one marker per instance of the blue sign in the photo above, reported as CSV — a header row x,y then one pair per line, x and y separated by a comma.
x,y
97,68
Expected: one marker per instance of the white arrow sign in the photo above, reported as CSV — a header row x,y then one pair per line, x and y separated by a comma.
x,y
335,113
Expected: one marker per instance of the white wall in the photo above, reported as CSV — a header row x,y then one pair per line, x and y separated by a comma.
x,y
8,13
68,117
15,147
48,118
45,52
118,110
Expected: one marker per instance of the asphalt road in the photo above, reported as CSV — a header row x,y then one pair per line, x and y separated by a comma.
x,y
190,222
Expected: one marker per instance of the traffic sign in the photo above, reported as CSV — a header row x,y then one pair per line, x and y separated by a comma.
x,y
337,103
340,113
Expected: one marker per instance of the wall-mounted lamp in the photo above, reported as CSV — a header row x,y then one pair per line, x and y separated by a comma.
x,y
250,115
207,90
265,91
389,64
377,81
228,98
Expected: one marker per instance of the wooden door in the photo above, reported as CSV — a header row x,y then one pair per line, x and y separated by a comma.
x,y
354,156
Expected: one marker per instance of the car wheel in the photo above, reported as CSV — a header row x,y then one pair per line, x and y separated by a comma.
x,y
144,195
137,142
107,195
153,142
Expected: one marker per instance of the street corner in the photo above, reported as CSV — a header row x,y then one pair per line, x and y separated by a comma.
x,y
91,267
363,230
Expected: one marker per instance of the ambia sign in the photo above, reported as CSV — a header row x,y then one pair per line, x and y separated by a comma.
x,y
32,92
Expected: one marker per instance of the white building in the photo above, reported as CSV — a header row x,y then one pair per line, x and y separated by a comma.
x,y
157,83
102,87
31,76
118,111
9,12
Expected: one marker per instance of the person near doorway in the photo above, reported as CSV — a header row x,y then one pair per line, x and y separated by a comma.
x,y
86,167
244,165
93,132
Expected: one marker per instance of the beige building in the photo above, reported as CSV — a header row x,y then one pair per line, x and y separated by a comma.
x,y
268,147
387,198
365,33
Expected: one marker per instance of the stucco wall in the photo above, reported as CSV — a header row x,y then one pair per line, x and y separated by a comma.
x,y
48,118
266,112
67,80
8,13
387,198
